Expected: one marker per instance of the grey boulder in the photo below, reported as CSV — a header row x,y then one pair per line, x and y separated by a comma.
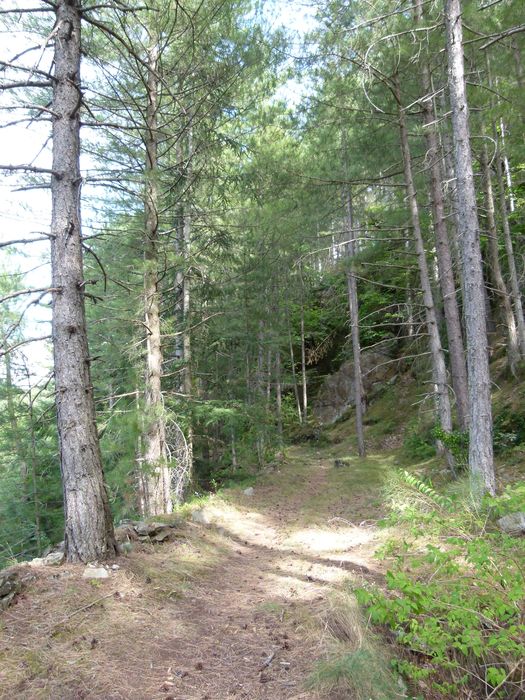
x,y
513,524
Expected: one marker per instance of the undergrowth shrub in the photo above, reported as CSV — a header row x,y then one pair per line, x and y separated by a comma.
x,y
410,498
419,443
307,433
455,593
509,429
456,442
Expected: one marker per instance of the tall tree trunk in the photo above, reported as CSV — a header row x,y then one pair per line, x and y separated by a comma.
x,y
294,374
458,365
268,377
235,464
182,471
518,62
89,532
507,237
157,498
260,391
509,248
506,165
481,458
353,308
439,371
303,368
500,288
278,397
451,194
186,314
14,436
33,457
11,413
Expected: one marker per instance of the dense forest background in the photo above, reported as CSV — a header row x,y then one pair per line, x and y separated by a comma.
x,y
261,207
261,215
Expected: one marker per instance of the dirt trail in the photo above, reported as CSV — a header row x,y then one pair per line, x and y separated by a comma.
x,y
248,616
241,628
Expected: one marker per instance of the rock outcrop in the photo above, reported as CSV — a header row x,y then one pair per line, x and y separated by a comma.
x,y
140,531
337,393
10,585
513,524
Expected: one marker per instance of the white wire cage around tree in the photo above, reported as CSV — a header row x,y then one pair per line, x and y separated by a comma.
x,y
179,459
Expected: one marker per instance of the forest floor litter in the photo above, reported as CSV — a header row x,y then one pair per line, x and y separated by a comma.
x,y
238,606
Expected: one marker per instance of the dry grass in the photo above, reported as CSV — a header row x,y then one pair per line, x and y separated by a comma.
x,y
68,637
197,618
353,664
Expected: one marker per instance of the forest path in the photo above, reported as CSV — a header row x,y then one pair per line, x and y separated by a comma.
x,y
235,608
248,629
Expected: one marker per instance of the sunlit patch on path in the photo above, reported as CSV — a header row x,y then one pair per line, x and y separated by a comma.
x,y
241,606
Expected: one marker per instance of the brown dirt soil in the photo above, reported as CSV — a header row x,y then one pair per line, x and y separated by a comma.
x,y
232,609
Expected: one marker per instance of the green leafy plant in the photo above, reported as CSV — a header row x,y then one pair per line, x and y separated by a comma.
x,y
510,501
457,603
426,488
418,444
509,429
456,442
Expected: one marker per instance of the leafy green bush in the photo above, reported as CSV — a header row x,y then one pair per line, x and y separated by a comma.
x,y
511,500
457,602
307,432
456,442
509,429
412,499
419,444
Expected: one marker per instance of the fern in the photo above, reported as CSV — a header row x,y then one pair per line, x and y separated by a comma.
x,y
427,490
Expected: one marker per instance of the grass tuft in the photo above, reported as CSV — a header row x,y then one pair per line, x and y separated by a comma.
x,y
354,662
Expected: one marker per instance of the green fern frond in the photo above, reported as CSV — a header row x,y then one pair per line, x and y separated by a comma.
x,y
427,490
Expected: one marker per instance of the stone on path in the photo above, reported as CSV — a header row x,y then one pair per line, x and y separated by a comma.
x,y
513,524
200,516
95,572
10,585
53,559
249,491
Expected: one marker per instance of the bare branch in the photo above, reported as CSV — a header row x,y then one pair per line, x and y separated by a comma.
x,y
30,169
16,324
25,69
26,83
13,295
17,241
27,10
503,35
90,250
6,351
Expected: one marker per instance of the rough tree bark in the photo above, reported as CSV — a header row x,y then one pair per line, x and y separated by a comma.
x,y
353,308
279,397
88,525
182,472
439,371
451,195
511,259
187,384
505,308
156,477
303,369
481,458
294,374
458,367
